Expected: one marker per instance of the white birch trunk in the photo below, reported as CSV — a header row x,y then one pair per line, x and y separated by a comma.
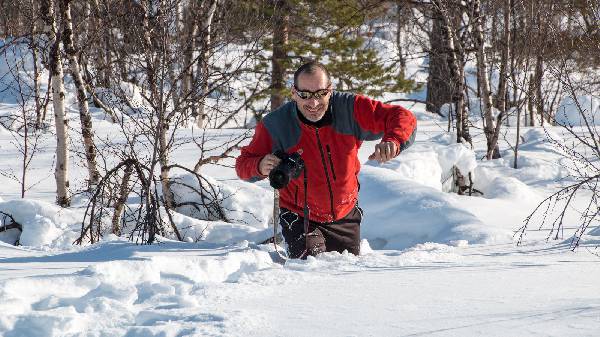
x,y
482,75
203,66
61,172
502,83
87,130
36,74
454,59
187,88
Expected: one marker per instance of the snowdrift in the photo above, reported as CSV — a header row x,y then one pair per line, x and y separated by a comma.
x,y
44,225
584,109
401,213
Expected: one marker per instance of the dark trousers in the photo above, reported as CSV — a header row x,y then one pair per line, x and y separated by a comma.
x,y
340,235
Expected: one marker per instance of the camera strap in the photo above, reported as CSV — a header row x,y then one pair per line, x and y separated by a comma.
x,y
276,223
306,213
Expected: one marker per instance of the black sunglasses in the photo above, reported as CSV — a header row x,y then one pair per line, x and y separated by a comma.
x,y
306,94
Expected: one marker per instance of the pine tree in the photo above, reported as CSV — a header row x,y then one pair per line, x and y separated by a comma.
x,y
335,33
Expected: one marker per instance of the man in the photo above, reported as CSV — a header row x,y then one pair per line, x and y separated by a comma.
x,y
326,128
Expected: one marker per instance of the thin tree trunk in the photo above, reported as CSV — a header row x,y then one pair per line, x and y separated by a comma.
x,y
455,58
151,78
204,61
400,19
173,79
280,41
61,171
515,163
531,100
504,58
187,87
157,99
501,98
107,73
440,86
539,99
482,77
121,200
25,158
87,130
36,73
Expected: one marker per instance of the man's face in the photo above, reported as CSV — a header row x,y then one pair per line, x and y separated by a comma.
x,y
312,108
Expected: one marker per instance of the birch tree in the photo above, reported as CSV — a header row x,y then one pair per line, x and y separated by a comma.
x,y
504,75
191,32
87,130
455,60
61,172
482,77
209,7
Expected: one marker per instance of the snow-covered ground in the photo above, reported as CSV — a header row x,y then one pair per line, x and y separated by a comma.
x,y
432,263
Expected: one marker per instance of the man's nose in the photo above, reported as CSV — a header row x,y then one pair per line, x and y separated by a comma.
x,y
313,101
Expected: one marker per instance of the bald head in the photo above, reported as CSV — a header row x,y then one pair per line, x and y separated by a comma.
x,y
311,68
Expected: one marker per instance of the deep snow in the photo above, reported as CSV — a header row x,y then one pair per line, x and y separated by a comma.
x,y
432,263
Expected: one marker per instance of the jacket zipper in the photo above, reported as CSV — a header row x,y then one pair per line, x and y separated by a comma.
x,y
330,162
326,173
296,196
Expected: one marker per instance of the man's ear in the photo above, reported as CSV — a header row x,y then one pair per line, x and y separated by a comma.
x,y
293,93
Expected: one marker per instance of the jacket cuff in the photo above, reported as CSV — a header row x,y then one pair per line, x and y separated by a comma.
x,y
257,170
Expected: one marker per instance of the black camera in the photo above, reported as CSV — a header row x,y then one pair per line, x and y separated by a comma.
x,y
289,168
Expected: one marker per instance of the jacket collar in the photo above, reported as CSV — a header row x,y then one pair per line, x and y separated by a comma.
x,y
326,120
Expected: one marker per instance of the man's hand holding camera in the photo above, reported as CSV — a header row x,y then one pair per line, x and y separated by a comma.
x,y
268,163
384,151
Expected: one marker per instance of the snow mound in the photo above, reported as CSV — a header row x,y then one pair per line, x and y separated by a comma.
x,y
218,232
509,188
402,213
240,202
578,111
457,155
44,224
538,135
431,165
540,139
422,167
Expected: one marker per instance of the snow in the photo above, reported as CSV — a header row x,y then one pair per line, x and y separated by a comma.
x,y
432,263
44,224
184,289
570,110
400,213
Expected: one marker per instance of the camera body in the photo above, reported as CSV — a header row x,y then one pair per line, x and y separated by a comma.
x,y
289,168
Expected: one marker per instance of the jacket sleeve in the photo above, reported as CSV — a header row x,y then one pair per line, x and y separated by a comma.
x,y
246,164
398,124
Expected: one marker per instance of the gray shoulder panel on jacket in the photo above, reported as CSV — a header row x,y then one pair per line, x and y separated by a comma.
x,y
282,125
342,108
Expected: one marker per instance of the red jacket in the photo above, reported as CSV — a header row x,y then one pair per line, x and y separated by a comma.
x,y
329,149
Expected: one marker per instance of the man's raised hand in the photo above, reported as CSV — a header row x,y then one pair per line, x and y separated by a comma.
x,y
384,151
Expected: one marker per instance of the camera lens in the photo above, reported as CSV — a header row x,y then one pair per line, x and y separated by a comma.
x,y
278,179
